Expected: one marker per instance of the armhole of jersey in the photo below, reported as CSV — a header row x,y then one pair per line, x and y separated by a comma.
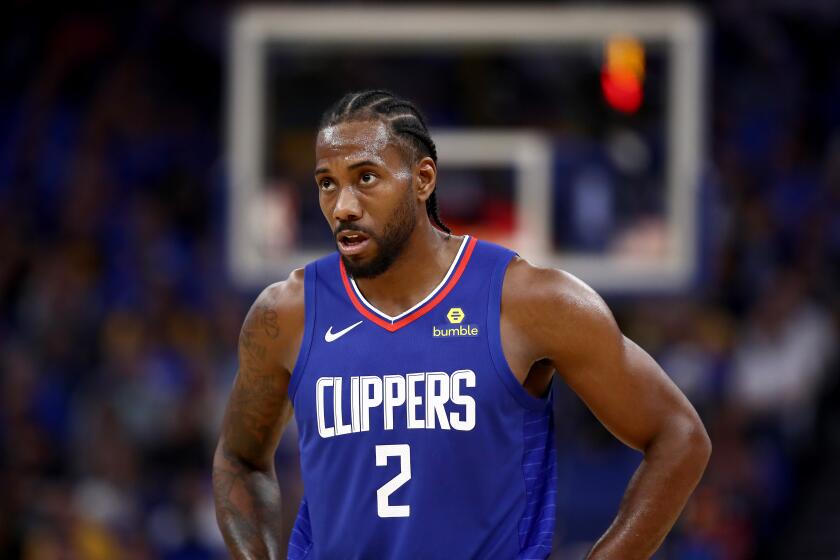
x,y
309,276
494,339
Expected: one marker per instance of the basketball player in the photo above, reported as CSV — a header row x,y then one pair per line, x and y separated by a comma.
x,y
418,365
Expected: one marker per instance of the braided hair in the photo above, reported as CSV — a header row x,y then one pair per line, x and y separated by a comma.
x,y
404,122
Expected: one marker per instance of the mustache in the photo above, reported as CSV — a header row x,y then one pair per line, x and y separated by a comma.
x,y
350,226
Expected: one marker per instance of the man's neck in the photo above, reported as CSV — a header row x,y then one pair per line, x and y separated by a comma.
x,y
421,266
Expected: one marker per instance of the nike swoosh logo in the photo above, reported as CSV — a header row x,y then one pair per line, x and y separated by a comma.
x,y
330,336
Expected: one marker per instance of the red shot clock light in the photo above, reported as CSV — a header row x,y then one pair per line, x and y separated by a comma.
x,y
623,74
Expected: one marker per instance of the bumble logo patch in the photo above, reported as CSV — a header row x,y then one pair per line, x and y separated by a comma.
x,y
455,316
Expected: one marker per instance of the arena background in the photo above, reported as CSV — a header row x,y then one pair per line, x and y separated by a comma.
x,y
119,313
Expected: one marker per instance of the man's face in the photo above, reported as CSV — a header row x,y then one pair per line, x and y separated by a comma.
x,y
365,191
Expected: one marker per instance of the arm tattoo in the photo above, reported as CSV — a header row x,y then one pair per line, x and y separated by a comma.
x,y
257,397
245,487
269,322
247,508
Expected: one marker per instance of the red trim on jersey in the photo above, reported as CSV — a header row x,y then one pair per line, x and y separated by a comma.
x,y
417,313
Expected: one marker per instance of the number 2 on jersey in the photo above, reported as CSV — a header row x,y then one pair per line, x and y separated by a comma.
x,y
403,451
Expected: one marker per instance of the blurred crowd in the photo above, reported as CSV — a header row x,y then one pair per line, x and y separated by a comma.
x,y
118,323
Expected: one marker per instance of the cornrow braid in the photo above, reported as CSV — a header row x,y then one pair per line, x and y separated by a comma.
x,y
404,121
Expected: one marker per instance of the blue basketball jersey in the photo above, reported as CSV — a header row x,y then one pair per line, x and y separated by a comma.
x,y
416,439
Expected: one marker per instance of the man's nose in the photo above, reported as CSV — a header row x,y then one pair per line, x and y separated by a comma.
x,y
347,207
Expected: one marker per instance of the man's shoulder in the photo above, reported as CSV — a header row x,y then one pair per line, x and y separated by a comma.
x,y
283,296
529,284
279,309
275,323
533,294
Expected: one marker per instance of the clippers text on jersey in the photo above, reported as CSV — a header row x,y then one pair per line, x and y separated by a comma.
x,y
431,400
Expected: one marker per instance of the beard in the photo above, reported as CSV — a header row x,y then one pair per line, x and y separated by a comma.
x,y
390,244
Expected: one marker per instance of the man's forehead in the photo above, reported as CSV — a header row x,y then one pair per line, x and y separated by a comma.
x,y
367,135
353,140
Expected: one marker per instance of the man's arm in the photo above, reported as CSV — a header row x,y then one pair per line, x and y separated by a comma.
x,y
551,317
245,487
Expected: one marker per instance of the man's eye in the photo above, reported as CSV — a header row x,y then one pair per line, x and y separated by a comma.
x,y
368,177
325,184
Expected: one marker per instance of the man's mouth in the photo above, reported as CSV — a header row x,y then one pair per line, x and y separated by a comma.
x,y
352,242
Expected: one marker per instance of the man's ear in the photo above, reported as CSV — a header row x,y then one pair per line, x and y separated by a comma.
x,y
426,177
